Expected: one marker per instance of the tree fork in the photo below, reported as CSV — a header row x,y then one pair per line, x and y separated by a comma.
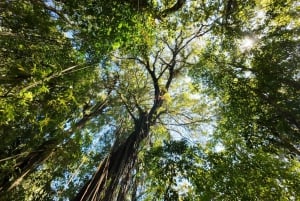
x,y
106,184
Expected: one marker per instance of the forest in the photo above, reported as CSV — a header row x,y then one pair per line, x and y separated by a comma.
x,y
149,100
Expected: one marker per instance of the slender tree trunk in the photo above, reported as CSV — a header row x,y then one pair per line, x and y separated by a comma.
x,y
26,165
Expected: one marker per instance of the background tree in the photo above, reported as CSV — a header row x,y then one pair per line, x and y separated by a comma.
x,y
46,88
258,86
178,171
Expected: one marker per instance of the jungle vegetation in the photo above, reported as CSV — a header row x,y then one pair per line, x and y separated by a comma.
x,y
115,100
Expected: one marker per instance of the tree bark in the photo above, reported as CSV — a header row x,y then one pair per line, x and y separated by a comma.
x,y
110,181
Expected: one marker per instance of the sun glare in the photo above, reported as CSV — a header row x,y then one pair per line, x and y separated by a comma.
x,y
247,43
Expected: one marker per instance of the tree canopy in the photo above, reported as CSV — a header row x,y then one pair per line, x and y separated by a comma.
x,y
149,100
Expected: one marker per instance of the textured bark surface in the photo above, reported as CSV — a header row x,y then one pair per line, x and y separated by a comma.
x,y
110,181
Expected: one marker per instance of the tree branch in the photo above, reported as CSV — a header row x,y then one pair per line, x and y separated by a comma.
x,y
177,6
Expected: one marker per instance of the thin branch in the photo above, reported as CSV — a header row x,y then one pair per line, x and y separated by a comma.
x,y
182,114
164,69
184,124
131,58
136,103
180,134
5,33
180,39
55,75
14,156
128,108
168,45
156,59
52,9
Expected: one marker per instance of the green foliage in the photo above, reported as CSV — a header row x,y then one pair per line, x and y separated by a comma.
x,y
258,90
44,85
79,78
237,174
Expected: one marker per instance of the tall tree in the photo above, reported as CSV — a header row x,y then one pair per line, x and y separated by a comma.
x,y
102,86
58,95
111,181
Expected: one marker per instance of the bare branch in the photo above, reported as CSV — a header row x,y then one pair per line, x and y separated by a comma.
x,y
155,59
168,45
128,108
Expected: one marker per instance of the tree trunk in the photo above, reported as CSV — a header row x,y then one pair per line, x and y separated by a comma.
x,y
24,166
111,180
